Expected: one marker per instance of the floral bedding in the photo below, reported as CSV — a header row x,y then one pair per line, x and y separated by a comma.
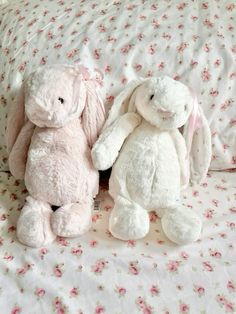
x,y
192,41
96,273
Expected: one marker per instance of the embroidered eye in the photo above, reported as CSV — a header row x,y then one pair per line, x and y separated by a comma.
x,y
61,100
185,107
151,96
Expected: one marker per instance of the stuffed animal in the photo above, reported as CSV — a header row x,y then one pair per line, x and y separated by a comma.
x,y
151,159
51,128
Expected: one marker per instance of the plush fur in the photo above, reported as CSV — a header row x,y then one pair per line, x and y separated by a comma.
x,y
141,139
52,126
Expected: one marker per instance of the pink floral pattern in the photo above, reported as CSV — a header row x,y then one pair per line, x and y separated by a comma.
x,y
192,41
96,273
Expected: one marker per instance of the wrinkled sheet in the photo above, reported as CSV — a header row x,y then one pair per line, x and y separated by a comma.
x,y
192,41
96,273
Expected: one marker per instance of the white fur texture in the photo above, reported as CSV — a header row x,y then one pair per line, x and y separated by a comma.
x,y
128,220
149,156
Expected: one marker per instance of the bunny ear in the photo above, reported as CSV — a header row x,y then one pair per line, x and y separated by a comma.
x,y
198,140
124,102
93,116
16,118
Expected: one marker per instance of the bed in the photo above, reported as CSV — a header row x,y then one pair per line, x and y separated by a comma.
x,y
120,41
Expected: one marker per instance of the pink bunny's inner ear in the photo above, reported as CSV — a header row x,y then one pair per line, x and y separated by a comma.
x,y
194,123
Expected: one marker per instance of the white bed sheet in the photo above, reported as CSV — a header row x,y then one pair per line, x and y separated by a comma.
x,y
96,273
192,41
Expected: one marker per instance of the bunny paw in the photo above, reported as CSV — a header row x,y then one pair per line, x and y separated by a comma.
x,y
181,226
100,157
130,222
72,220
33,226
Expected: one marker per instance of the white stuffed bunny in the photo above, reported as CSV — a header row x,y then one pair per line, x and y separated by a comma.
x,y
152,160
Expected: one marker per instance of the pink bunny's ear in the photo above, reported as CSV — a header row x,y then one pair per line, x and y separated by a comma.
x,y
86,93
93,116
16,118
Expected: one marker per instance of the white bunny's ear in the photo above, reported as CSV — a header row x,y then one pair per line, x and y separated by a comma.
x,y
124,102
197,135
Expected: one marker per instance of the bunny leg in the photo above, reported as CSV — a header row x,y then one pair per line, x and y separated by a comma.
x,y
181,225
72,219
128,221
33,226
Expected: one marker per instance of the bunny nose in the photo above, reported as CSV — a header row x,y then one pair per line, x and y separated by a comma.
x,y
52,116
165,113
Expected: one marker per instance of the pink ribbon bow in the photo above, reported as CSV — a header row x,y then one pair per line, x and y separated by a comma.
x,y
92,83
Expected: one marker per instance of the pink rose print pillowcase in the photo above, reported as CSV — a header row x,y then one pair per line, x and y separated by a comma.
x,y
122,40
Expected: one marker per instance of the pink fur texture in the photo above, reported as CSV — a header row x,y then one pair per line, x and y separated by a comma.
x,y
52,126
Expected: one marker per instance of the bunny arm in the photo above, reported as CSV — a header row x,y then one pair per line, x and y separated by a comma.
x,y
108,145
18,154
181,150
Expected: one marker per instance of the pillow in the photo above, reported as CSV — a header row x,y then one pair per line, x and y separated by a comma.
x,y
122,40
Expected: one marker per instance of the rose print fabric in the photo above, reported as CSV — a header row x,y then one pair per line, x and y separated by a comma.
x,y
98,274
192,41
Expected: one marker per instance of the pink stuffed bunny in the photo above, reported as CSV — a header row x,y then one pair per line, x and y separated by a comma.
x,y
52,126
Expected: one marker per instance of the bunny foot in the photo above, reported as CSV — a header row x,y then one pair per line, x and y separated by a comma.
x,y
33,226
72,220
128,221
181,226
